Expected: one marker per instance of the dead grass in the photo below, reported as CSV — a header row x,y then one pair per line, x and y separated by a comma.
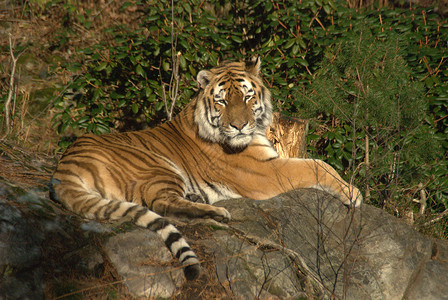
x,y
24,167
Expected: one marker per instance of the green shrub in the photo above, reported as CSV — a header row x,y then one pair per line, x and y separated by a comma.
x,y
366,86
122,81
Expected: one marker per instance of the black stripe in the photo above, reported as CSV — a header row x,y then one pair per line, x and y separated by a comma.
x,y
172,181
188,257
162,142
212,186
98,183
129,190
69,172
272,158
158,224
172,238
111,209
129,210
116,175
142,211
182,250
194,185
122,151
89,204
187,148
142,140
144,159
263,93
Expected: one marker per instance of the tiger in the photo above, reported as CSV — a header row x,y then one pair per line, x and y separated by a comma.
x,y
214,149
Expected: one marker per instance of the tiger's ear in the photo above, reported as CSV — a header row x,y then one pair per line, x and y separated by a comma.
x,y
253,65
204,78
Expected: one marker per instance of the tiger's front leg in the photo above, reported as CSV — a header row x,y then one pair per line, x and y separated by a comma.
x,y
278,176
314,173
173,204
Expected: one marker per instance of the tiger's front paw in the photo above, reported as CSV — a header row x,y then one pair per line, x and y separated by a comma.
x,y
221,215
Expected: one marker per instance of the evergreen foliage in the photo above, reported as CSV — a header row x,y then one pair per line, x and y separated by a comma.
x,y
366,86
368,82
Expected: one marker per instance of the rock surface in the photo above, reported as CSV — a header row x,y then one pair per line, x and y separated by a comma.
x,y
300,244
144,264
361,254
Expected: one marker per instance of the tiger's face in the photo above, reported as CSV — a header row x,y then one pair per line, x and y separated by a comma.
x,y
233,104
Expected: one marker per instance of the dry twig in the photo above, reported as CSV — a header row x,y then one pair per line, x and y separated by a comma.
x,y
14,59
173,88
438,218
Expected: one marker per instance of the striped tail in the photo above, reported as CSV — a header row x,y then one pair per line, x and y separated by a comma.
x,y
93,207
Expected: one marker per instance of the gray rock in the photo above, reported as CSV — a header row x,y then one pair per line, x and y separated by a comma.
x,y
249,272
37,243
143,261
357,254
20,252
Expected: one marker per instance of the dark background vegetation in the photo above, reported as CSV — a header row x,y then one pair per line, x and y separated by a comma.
x,y
371,76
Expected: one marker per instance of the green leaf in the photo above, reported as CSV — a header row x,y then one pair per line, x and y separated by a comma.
x,y
289,44
236,39
187,7
159,105
182,62
303,62
295,49
166,66
101,66
332,4
83,119
134,108
152,18
139,70
148,92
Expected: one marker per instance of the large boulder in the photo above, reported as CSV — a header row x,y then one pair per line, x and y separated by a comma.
x,y
354,254
301,243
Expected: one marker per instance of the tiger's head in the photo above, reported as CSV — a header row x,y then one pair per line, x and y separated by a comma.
x,y
233,104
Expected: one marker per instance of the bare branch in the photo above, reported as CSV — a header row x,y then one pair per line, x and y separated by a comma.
x,y
162,85
438,218
173,88
14,60
422,199
174,84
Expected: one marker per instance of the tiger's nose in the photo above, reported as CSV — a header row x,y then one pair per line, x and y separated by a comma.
x,y
238,126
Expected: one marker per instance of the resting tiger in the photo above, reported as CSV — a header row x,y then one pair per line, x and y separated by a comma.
x,y
215,149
